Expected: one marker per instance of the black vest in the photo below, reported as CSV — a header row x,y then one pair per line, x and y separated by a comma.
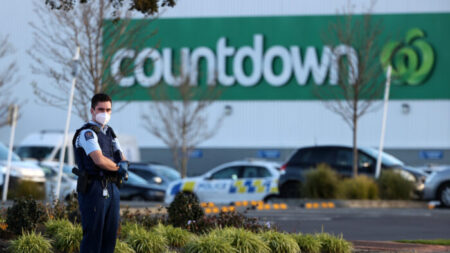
x,y
105,140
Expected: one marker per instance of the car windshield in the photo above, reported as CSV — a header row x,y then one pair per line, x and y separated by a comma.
x,y
38,153
167,172
4,154
386,158
135,179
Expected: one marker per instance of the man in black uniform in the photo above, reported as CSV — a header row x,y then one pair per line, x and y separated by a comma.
x,y
101,168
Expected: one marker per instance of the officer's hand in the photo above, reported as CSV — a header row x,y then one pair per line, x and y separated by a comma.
x,y
123,170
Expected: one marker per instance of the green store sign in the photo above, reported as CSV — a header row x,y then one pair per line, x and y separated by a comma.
x,y
278,58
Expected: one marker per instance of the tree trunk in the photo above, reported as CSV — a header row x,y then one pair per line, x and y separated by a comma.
x,y
355,145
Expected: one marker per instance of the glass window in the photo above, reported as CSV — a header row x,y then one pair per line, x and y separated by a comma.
x,y
313,156
38,153
144,174
366,164
227,173
344,157
4,154
386,159
250,172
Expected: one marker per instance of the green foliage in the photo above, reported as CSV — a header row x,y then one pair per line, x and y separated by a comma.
x,y
307,243
25,215
129,229
242,240
24,189
184,209
68,239
280,242
334,244
143,241
52,227
393,185
176,237
146,217
30,242
321,183
360,187
122,247
209,243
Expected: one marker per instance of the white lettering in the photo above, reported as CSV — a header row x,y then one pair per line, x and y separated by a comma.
x,y
117,59
255,55
286,72
155,57
208,54
169,78
310,64
222,53
352,56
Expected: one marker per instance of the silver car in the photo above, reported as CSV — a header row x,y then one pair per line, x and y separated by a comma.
x,y
437,187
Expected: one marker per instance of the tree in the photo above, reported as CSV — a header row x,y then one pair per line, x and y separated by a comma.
x,y
55,40
360,74
180,119
7,78
148,7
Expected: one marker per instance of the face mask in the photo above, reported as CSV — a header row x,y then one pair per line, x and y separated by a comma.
x,y
103,118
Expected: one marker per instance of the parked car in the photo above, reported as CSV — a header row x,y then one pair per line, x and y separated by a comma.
x,y
235,181
155,173
340,158
437,187
20,170
136,188
68,180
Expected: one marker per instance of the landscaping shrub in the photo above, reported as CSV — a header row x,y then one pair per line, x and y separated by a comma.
x,y
360,187
280,242
30,242
52,227
226,219
243,240
143,241
334,244
122,247
68,209
25,189
321,183
176,237
209,243
393,185
307,243
25,215
146,217
129,229
183,209
68,239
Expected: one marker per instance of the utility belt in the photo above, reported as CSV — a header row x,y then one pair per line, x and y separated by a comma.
x,y
85,180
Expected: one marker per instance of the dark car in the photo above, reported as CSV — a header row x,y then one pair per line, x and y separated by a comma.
x,y
155,173
137,188
340,158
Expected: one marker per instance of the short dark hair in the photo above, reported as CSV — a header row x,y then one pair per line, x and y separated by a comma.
x,y
99,97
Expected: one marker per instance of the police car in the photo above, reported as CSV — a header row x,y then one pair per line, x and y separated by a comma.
x,y
230,182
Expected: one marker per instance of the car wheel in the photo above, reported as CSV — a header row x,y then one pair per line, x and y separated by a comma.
x,y
291,189
271,199
444,194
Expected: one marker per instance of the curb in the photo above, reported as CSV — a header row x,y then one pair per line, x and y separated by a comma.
x,y
388,246
323,204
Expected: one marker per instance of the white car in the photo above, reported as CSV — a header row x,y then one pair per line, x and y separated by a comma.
x,y
437,186
68,180
235,181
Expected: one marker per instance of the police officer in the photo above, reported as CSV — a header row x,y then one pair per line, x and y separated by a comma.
x,y
97,155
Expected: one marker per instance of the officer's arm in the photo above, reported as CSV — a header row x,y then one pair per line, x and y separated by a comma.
x,y
102,161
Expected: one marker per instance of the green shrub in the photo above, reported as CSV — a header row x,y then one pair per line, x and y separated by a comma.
x,y
321,183
243,241
25,189
30,242
334,244
360,187
143,241
68,239
122,247
393,185
183,209
25,215
176,237
129,229
307,243
280,242
52,227
209,243
146,217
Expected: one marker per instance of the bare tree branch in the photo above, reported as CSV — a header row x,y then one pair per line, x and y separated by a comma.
x,y
8,78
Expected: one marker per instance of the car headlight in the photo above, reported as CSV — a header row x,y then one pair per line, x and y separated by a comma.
x,y
407,175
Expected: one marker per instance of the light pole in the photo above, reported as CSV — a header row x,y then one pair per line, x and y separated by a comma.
x,y
12,120
75,68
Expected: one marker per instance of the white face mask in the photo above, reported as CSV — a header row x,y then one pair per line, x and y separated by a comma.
x,y
103,118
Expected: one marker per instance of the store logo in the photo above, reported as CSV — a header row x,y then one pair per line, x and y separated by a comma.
x,y
411,61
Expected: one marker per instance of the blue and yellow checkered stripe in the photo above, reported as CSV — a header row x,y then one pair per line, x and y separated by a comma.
x,y
252,186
